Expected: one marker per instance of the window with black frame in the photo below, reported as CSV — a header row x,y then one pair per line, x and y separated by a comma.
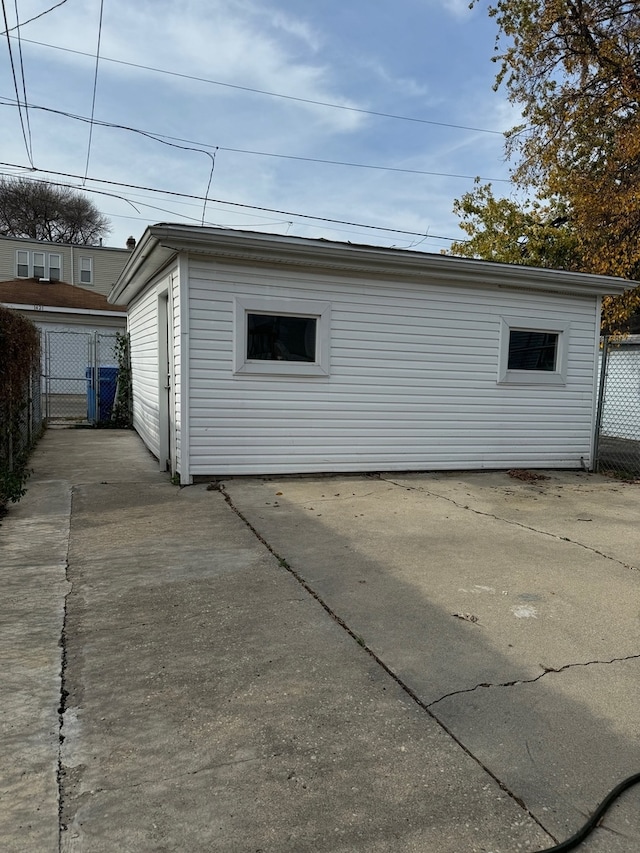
x,y
278,337
532,350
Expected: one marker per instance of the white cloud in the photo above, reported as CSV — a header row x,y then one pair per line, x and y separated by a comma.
x,y
273,45
458,8
232,42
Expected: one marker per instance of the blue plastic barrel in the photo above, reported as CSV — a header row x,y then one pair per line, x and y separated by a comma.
x,y
105,392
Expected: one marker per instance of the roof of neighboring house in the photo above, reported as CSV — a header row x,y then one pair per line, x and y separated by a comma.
x,y
53,294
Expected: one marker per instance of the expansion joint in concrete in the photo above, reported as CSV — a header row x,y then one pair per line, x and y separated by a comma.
x,y
511,521
426,707
519,682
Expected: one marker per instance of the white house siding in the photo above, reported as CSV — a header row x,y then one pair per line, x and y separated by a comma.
x,y
143,329
412,383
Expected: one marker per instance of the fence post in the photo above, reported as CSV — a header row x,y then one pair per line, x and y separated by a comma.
x,y
47,374
601,392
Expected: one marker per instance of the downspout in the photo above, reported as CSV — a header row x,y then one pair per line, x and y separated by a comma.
x,y
601,392
597,390
72,268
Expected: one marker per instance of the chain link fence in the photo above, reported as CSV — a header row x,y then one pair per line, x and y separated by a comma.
x,y
618,433
26,420
79,376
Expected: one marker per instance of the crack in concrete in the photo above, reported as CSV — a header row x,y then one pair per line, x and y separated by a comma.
x,y
519,681
511,521
390,672
64,693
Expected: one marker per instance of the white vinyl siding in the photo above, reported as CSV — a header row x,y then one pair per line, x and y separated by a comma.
x,y
143,328
413,379
157,422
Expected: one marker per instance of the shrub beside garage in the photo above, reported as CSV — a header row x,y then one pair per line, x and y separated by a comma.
x,y
19,383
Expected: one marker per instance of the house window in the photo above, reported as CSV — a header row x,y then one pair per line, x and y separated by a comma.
x,y
533,353
86,271
38,264
55,267
22,264
287,337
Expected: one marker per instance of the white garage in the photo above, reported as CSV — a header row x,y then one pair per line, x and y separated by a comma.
x,y
261,354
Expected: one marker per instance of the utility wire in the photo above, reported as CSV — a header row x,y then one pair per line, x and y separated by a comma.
x,y
182,215
95,87
24,83
255,91
15,85
35,18
236,204
160,137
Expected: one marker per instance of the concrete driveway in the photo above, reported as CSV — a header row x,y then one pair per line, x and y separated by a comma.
x,y
509,608
407,663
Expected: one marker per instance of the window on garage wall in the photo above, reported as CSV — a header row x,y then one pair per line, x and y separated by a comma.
x,y
281,336
533,352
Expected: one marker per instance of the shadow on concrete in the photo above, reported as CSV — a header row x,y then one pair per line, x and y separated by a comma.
x,y
557,741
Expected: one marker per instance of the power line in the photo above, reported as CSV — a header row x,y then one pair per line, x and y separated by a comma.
x,y
161,137
95,88
255,91
35,18
24,82
236,204
15,85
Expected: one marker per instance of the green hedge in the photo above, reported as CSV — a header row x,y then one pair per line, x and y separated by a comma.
x,y
19,360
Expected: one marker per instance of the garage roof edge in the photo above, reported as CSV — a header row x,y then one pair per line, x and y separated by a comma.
x,y
162,241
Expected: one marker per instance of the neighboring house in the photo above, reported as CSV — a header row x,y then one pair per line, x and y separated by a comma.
x,y
262,354
93,267
78,329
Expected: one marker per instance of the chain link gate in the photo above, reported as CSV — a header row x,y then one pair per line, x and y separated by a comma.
x,y
79,376
618,421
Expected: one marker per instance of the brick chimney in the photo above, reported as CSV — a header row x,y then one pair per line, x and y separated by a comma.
x,y
131,244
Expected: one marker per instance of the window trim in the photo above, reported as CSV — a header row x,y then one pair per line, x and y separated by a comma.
x,y
81,269
39,259
58,266
31,255
533,377
19,264
319,311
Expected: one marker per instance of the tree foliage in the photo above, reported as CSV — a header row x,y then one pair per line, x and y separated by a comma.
x,y
20,348
500,229
573,66
43,211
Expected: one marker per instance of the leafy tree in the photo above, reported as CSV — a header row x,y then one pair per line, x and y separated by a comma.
x,y
43,211
500,229
574,68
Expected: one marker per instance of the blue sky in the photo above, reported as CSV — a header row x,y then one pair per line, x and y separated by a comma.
x,y
427,62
